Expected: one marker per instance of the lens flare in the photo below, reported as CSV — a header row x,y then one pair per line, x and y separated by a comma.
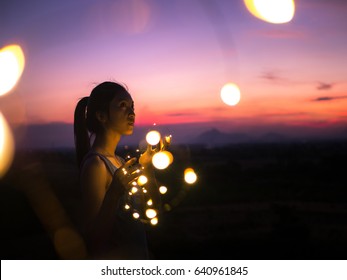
x,y
11,67
151,213
162,160
230,94
153,137
6,146
163,189
272,11
189,176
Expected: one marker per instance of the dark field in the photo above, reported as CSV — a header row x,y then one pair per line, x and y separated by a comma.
x,y
251,201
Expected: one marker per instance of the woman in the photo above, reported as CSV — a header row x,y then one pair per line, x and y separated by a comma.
x,y
105,178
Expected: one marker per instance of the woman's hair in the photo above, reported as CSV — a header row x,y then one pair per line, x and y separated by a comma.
x,y
85,121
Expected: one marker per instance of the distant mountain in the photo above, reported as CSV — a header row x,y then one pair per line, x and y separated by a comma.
x,y
214,137
60,135
37,136
273,137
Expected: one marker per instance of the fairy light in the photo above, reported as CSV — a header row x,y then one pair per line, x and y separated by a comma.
x,y
151,213
150,202
162,160
134,190
168,139
163,189
142,180
190,176
154,221
153,137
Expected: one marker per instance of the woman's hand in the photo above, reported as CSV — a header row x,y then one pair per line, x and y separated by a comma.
x,y
146,158
127,173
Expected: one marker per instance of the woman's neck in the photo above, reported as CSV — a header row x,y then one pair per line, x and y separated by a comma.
x,y
106,143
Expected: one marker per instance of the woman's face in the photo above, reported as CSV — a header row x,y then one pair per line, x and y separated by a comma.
x,y
121,114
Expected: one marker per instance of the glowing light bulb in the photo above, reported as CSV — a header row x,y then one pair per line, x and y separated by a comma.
x,y
150,202
162,189
230,94
273,11
151,213
134,190
162,160
142,180
154,221
168,139
11,67
136,215
126,206
153,137
7,146
189,176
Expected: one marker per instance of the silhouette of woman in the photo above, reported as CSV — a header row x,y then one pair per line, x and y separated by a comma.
x,y
105,178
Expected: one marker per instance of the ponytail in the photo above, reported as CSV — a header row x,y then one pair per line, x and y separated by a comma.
x,y
82,141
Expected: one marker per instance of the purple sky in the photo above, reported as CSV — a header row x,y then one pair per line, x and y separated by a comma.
x,y
175,56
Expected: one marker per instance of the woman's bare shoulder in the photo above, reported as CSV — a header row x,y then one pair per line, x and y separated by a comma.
x,y
94,167
93,161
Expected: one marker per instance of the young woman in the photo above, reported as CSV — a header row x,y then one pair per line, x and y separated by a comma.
x,y
105,178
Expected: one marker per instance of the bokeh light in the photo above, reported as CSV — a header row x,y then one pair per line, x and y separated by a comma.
x,y
162,160
150,202
11,67
190,176
163,189
142,180
154,221
273,11
151,213
153,137
136,215
6,146
134,190
230,94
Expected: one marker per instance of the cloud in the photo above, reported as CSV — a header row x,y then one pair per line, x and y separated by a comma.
x,y
328,98
272,76
325,86
181,114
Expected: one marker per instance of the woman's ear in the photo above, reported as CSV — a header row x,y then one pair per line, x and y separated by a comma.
x,y
101,116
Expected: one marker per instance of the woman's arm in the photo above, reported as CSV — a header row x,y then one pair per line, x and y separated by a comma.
x,y
101,193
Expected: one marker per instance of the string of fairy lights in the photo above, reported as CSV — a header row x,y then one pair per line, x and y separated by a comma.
x,y
148,213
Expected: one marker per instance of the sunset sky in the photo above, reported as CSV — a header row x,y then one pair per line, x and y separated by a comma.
x,y
175,56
